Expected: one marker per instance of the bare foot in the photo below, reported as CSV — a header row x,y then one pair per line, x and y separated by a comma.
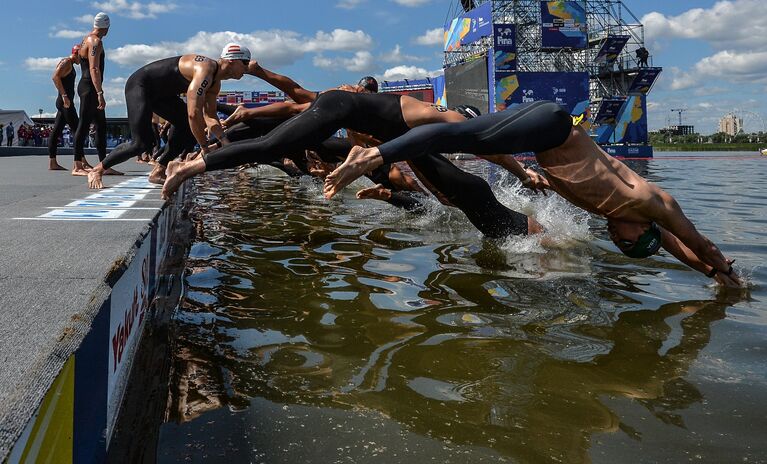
x,y
157,176
534,227
173,179
54,166
193,156
359,161
79,172
377,192
86,165
94,179
112,172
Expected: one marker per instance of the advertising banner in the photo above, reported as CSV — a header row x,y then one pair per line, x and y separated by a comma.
x,y
469,27
505,47
130,301
569,89
632,121
611,48
563,25
643,81
440,98
608,110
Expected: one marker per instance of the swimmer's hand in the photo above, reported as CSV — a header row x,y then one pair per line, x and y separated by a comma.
x,y
102,102
729,279
239,115
536,182
377,192
351,88
67,102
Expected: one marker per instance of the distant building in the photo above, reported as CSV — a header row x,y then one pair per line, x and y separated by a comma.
x,y
678,130
731,124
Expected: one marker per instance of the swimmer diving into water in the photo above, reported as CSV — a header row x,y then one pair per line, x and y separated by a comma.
x,y
641,217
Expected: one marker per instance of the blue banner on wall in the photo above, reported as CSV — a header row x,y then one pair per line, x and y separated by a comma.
x,y
631,126
611,48
563,25
569,89
505,47
469,27
440,97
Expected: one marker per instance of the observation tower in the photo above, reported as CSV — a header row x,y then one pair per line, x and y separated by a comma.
x,y
587,55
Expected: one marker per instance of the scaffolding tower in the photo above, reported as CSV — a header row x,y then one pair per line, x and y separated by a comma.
x,y
605,18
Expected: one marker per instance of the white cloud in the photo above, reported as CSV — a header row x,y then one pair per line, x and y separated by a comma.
x,y
42,64
396,55
738,67
349,4
431,37
114,92
411,3
340,39
85,19
737,24
68,34
398,73
361,62
134,10
274,47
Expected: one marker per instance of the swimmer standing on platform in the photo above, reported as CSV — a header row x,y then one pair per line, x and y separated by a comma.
x,y
156,87
64,80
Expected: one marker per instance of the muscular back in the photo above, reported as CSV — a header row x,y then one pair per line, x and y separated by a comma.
x,y
591,179
416,112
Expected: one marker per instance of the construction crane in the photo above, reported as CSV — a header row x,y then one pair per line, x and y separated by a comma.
x,y
680,111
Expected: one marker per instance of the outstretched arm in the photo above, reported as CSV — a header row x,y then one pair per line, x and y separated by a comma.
x,y
674,246
284,83
669,215
273,110
528,177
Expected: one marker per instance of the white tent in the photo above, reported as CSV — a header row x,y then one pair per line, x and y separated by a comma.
x,y
17,117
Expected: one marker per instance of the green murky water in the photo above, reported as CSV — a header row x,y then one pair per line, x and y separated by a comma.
x,y
349,331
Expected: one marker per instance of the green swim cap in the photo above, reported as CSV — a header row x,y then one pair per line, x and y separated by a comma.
x,y
647,244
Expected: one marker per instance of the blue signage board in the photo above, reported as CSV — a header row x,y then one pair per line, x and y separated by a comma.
x,y
469,27
569,89
611,48
608,110
643,81
505,47
563,25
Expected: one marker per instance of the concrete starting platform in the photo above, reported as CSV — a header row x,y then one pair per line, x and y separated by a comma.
x,y
78,273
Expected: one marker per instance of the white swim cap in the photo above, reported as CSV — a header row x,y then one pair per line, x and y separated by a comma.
x,y
233,51
101,21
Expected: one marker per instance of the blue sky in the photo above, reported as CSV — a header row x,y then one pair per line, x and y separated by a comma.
x,y
714,54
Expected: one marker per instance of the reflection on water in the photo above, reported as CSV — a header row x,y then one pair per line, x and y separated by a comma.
x,y
348,331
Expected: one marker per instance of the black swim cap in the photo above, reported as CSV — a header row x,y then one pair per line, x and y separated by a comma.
x,y
646,245
369,83
468,111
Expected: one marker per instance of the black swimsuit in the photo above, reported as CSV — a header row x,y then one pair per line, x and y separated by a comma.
x,y
378,115
89,112
155,88
64,116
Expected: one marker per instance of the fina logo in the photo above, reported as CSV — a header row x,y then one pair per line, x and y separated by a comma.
x,y
528,96
505,37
